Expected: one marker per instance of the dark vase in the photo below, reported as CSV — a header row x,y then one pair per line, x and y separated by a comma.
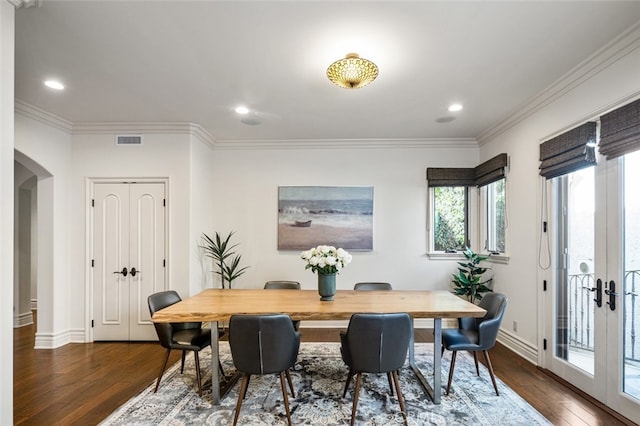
x,y
326,286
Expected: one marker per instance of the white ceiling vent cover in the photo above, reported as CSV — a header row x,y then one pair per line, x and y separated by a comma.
x,y
129,140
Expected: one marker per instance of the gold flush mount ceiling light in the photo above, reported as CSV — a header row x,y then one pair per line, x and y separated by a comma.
x,y
352,72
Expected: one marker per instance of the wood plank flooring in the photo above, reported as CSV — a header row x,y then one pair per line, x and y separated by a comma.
x,y
81,384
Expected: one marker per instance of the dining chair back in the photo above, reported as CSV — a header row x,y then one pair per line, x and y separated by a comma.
x,y
372,286
376,343
263,344
285,285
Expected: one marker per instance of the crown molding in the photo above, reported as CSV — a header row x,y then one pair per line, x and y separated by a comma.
x,y
603,58
25,3
149,128
42,116
271,144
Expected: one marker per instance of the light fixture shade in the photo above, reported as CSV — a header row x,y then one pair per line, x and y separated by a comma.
x,y
352,72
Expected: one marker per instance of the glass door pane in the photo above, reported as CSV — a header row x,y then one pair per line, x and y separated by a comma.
x,y
575,332
631,288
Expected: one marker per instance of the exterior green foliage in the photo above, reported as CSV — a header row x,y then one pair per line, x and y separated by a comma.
x,y
225,259
449,224
468,281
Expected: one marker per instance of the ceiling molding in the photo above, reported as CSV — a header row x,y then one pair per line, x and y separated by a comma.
x,y
26,3
346,144
42,116
612,52
145,128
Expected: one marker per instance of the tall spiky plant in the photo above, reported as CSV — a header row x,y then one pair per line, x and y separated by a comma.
x,y
220,250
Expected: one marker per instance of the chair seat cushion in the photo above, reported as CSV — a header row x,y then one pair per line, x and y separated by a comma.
x,y
191,339
460,340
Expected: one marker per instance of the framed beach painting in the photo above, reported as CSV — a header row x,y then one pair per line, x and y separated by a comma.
x,y
340,216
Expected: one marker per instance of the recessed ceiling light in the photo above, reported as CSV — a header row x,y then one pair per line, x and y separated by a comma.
x,y
242,110
455,107
53,84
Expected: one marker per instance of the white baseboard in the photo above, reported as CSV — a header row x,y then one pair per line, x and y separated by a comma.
x,y
523,348
52,340
78,335
22,320
34,304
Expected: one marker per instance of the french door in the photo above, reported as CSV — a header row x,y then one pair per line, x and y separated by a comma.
x,y
128,257
596,308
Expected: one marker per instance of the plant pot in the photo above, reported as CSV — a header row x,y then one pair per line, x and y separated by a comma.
x,y
326,286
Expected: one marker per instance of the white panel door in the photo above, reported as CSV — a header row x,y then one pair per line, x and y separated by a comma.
x,y
128,258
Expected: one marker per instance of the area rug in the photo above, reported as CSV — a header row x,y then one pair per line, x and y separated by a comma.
x,y
318,379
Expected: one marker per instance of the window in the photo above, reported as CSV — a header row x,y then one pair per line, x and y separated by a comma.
x,y
494,206
450,213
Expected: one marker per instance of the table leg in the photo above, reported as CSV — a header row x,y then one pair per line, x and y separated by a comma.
x,y
215,372
434,392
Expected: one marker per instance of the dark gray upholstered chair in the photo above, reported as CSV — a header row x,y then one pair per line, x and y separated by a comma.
x,y
376,343
372,286
476,334
286,285
263,344
184,336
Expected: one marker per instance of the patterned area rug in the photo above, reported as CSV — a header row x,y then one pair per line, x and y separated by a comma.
x,y
318,379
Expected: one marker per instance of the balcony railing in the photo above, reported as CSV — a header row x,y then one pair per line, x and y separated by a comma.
x,y
581,308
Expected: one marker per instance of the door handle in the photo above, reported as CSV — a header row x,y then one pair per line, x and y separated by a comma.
x,y
611,292
598,290
134,272
123,272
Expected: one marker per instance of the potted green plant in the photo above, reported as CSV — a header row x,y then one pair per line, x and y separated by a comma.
x,y
470,281
225,259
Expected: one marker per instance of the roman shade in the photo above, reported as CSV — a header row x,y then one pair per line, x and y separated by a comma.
x,y
571,151
484,174
620,131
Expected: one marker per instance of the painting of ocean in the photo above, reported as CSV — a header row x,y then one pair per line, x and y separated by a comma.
x,y
341,216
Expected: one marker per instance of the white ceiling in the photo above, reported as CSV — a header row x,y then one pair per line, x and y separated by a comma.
x,y
179,61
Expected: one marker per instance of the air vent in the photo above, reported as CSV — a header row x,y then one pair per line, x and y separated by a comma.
x,y
129,140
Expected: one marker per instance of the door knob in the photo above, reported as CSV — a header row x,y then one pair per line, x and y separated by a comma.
x,y
598,290
134,272
123,272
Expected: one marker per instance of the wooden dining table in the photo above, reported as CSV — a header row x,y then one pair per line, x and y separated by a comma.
x,y
216,305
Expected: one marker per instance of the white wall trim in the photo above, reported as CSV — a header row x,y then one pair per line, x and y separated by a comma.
x,y
78,335
34,304
52,340
521,347
612,52
291,144
42,116
22,320
148,128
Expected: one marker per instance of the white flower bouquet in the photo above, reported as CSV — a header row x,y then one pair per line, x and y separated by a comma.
x,y
326,259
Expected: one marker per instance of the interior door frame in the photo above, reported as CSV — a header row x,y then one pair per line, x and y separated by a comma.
x,y
89,223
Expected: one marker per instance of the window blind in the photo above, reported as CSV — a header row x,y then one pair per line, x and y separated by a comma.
x,y
484,174
571,151
620,131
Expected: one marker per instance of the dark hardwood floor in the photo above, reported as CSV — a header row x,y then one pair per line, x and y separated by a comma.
x,y
81,384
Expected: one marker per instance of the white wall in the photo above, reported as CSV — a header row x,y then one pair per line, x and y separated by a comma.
x,y
202,205
609,80
7,20
246,190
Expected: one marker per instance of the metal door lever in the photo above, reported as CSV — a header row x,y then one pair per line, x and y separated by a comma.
x,y
123,272
611,292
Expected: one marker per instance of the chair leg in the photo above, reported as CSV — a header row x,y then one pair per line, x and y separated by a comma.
x,y
475,359
453,365
184,355
493,378
390,384
164,365
356,393
285,398
346,385
403,409
198,375
222,375
288,374
241,394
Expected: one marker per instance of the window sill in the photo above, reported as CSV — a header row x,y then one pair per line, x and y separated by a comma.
x,y
501,258
439,255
